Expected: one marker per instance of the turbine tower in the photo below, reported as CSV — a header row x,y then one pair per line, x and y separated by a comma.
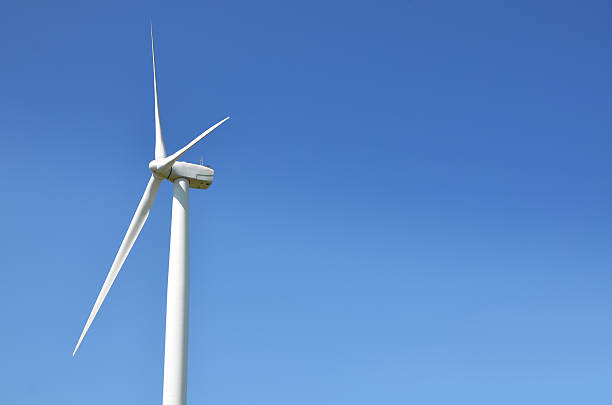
x,y
184,176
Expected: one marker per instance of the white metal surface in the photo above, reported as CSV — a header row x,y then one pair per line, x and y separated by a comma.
x,y
183,175
177,306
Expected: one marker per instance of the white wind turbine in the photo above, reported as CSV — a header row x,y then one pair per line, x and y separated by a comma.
x,y
183,175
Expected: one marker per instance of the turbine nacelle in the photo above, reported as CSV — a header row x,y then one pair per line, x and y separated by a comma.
x,y
199,176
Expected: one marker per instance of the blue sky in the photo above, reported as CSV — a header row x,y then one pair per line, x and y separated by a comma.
x,y
411,200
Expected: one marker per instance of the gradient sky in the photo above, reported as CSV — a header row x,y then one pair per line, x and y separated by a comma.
x,y
412,201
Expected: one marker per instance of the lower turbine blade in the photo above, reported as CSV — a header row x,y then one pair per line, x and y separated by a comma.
x,y
140,216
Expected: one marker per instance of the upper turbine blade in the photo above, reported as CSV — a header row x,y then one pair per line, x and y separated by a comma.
x,y
169,161
160,148
140,216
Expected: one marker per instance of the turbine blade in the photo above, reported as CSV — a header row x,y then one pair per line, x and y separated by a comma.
x,y
140,216
160,148
169,161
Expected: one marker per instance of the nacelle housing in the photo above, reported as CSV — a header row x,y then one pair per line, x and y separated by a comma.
x,y
199,176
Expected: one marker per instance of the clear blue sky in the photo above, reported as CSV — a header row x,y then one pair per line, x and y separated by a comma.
x,y
412,201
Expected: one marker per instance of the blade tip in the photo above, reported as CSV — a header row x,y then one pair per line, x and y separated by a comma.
x,y
79,343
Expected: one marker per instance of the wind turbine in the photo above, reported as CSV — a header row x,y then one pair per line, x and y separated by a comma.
x,y
184,176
